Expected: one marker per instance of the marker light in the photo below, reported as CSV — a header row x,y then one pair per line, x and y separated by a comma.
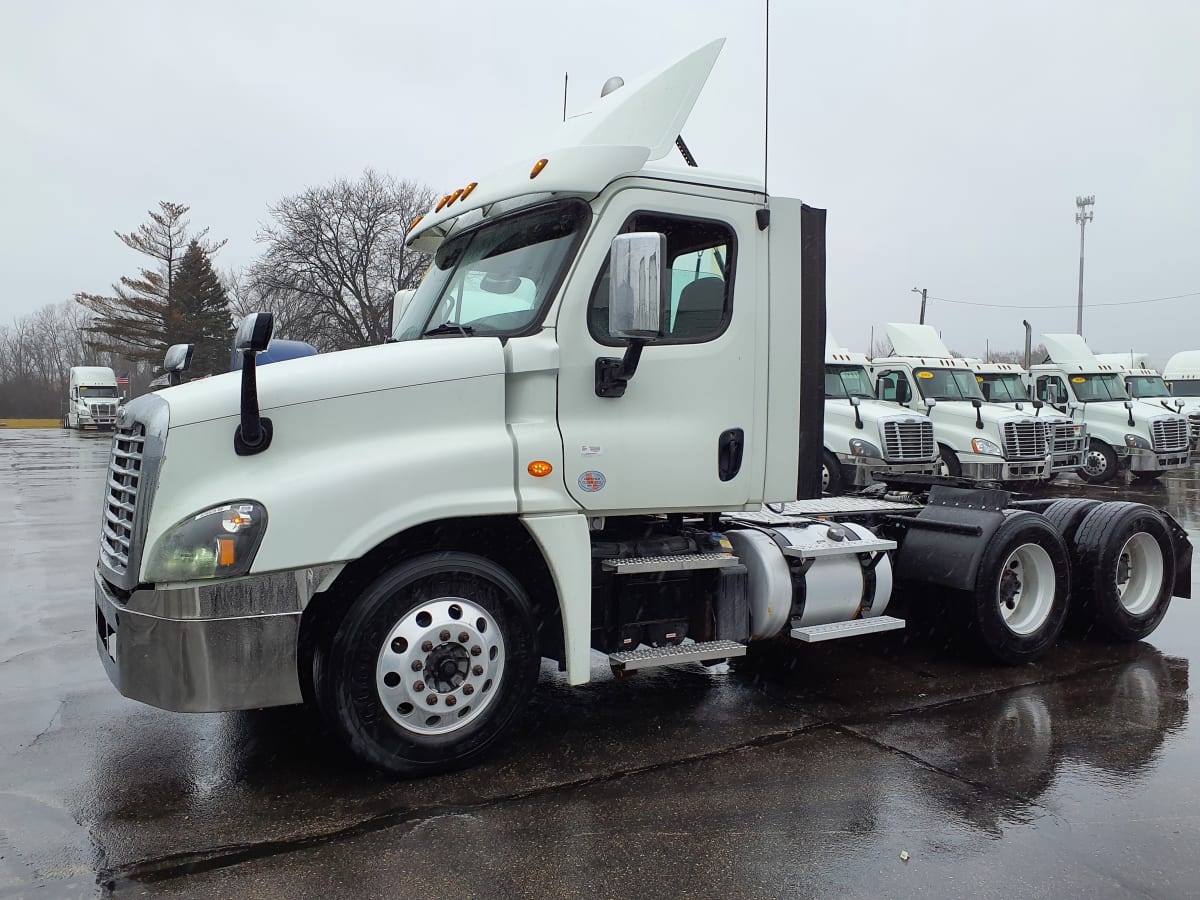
x,y
455,196
467,190
415,223
537,167
539,468
441,203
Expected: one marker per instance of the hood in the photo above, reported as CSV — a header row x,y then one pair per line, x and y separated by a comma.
x,y
331,375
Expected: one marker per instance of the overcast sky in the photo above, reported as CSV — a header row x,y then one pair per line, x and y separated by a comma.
x,y
948,140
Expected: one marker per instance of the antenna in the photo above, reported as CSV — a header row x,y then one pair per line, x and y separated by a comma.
x,y
766,88
565,76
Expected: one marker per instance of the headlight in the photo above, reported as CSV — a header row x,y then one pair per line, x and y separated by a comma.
x,y
859,447
217,543
1137,442
982,445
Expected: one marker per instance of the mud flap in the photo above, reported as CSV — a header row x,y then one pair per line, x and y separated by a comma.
x,y
1183,557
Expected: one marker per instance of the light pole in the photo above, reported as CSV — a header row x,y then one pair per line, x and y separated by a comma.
x,y
1082,217
922,292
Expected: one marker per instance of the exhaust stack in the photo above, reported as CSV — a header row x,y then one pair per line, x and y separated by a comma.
x,y
1028,343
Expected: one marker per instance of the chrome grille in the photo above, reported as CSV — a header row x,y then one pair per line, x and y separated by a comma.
x,y
1066,438
120,499
1025,439
1194,428
908,440
1169,434
104,409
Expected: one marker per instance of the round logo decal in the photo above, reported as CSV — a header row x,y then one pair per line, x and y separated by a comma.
x,y
591,481
924,374
1078,379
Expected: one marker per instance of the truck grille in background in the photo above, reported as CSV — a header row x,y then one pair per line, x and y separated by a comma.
x,y
120,498
104,409
1169,434
1066,438
1025,440
1194,428
908,440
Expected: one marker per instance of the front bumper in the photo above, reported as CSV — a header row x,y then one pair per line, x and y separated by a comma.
x,y
979,467
183,650
860,471
1141,460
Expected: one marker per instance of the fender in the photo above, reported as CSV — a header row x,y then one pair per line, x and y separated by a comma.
x,y
945,542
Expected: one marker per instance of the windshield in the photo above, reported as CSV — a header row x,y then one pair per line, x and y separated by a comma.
x,y
1092,388
947,384
1189,388
1008,388
843,382
498,278
1147,386
96,393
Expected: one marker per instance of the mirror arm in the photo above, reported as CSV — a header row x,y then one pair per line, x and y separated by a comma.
x,y
613,375
858,422
253,435
1131,422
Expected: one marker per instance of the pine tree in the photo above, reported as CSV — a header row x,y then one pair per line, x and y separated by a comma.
x,y
203,312
140,321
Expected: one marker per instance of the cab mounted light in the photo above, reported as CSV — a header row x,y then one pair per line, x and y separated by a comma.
x,y
415,222
537,167
467,190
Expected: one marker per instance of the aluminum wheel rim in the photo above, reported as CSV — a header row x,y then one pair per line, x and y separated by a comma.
x,y
1095,462
1139,573
825,476
1025,594
440,665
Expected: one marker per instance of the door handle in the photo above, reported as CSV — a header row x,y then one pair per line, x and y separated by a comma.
x,y
729,453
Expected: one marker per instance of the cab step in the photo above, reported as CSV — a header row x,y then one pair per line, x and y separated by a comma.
x,y
839,548
816,633
648,657
635,565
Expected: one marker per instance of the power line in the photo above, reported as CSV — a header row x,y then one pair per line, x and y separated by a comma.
x,y
1063,305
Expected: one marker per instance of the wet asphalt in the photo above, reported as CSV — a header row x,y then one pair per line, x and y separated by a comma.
x,y
806,773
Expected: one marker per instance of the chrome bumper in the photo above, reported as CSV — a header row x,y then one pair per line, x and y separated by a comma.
x,y
1154,461
182,650
860,470
992,468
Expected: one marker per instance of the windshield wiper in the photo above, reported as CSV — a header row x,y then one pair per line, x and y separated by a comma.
x,y
449,328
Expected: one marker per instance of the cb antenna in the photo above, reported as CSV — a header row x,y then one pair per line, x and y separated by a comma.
x,y
766,87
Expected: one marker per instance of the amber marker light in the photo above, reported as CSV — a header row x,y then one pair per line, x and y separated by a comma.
x,y
455,196
416,222
537,167
539,468
442,203
225,554
467,190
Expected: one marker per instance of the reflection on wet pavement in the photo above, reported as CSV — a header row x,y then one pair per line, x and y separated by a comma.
x,y
792,774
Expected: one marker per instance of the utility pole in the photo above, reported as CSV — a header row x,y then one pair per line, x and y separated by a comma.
x,y
922,292
1082,217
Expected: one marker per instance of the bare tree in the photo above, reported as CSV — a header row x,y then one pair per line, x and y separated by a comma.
x,y
335,257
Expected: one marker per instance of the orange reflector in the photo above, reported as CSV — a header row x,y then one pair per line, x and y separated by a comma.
x,y
455,196
539,468
225,554
442,203
467,190
416,222
537,167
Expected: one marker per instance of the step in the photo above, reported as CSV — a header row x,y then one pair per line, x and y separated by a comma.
x,y
648,657
634,565
816,633
839,548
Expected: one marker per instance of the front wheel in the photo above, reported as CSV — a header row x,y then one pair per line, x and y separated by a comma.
x,y
831,475
1099,463
431,664
948,463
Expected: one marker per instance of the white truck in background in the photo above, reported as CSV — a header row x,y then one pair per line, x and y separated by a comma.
x,y
1006,384
1143,438
864,436
977,440
93,399
1182,376
578,464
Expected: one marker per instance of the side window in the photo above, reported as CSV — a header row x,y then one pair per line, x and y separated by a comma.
x,y
700,254
1051,389
892,386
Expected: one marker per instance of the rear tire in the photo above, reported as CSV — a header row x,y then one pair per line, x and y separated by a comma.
x,y
1099,463
430,666
831,475
1019,603
1125,567
1066,516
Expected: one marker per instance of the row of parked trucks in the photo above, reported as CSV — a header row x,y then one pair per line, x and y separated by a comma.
x,y
595,437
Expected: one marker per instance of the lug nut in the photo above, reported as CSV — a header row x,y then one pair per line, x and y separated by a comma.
x,y
468,689
475,651
419,686
450,701
427,646
478,670
463,637
445,635
431,699
417,665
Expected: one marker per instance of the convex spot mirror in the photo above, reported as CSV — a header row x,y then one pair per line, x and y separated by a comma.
x,y
499,284
639,293
178,358
254,333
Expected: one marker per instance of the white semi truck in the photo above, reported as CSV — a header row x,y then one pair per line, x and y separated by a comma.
x,y
578,465
1123,434
976,439
1182,375
865,437
92,399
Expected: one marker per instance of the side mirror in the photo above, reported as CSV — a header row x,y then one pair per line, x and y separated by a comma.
x,y
639,302
254,334
253,434
639,296
1052,393
178,359
930,402
1129,404
976,402
857,401
902,391
1072,405
1179,403
1037,404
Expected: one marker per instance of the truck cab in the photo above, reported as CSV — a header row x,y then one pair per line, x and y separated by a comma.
x,y
1005,383
976,439
1182,377
1124,434
865,436
93,400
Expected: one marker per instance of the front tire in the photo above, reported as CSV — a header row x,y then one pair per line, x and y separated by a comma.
x,y
948,463
831,475
431,665
1099,463
1126,564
